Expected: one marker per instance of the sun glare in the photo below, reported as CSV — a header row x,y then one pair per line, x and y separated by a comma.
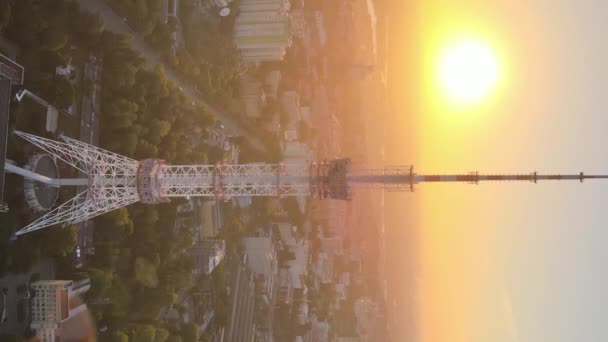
x,y
468,70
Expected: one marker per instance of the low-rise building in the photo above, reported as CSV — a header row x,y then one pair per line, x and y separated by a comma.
x,y
208,254
262,35
55,302
240,325
262,261
285,292
252,95
332,245
271,84
290,102
324,269
210,219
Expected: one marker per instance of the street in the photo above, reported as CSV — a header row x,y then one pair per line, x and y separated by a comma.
x,y
89,133
115,23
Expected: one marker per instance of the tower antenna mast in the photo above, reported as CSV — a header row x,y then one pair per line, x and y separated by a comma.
x,y
114,181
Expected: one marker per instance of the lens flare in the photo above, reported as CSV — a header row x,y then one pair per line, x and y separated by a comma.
x,y
468,70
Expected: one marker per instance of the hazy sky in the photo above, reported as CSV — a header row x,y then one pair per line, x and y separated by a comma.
x,y
507,262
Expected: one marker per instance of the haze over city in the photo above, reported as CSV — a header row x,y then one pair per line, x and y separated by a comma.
x,y
290,170
500,262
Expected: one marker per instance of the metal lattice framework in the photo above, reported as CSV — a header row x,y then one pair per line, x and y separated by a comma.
x,y
116,181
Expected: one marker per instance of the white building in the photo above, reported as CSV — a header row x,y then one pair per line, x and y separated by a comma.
x,y
262,261
53,303
273,6
286,233
252,95
262,31
271,84
285,293
295,152
290,102
324,268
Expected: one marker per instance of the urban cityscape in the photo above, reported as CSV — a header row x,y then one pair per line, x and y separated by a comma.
x,y
232,170
246,250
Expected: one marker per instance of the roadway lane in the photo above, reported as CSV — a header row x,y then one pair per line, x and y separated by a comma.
x,y
115,23
5,100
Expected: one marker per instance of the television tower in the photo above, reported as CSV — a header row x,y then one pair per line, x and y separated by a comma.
x,y
114,181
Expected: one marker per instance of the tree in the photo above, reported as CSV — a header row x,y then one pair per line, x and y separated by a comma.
x,y
101,282
116,223
120,336
58,242
145,272
161,335
190,333
90,24
54,39
147,149
5,13
64,93
120,299
143,333
158,129
174,338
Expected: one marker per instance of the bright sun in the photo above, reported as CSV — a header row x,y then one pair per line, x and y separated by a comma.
x,y
468,70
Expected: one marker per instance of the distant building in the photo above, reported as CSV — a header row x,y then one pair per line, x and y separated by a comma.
x,y
332,245
306,115
219,3
264,6
242,201
210,219
168,8
273,125
261,30
271,84
208,254
285,293
240,326
290,102
298,266
319,331
297,152
66,71
347,339
286,233
291,132
320,24
54,302
324,268
252,95
262,261
299,25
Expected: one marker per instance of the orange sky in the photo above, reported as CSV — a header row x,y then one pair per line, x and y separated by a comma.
x,y
489,254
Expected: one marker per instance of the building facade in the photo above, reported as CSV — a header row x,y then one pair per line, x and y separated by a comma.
x,y
53,303
263,263
262,30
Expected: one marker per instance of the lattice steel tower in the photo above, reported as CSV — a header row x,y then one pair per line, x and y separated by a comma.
x,y
113,181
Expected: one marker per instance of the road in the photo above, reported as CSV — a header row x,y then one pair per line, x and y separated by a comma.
x,y
89,133
117,24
